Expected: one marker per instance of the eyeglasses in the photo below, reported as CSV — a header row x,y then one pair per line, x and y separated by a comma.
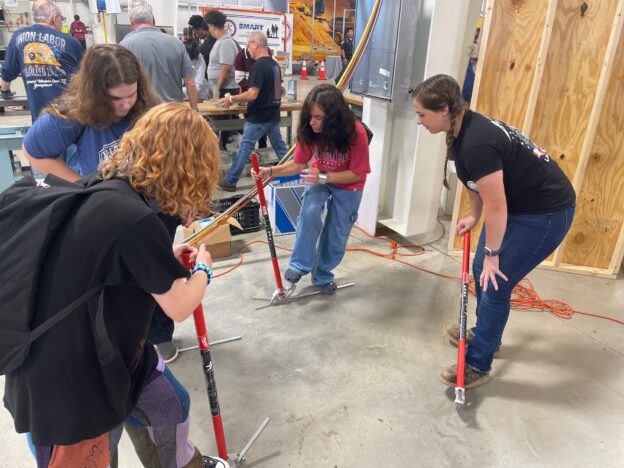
x,y
62,17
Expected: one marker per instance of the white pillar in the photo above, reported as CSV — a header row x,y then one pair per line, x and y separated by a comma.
x,y
410,159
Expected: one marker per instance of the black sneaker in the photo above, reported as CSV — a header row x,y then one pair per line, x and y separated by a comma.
x,y
227,187
214,462
329,288
292,276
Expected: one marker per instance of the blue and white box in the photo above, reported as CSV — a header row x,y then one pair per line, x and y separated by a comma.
x,y
284,196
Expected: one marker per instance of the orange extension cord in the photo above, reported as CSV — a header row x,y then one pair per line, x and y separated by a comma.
x,y
524,297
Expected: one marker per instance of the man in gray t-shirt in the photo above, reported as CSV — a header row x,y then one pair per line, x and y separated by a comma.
x,y
221,62
164,56
221,66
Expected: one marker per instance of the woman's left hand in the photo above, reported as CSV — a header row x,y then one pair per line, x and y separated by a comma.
x,y
310,175
490,271
180,249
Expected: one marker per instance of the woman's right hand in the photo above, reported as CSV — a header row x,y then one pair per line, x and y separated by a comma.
x,y
465,225
263,174
203,256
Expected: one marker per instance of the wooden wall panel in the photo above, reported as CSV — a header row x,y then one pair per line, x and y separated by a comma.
x,y
600,212
574,62
509,65
507,69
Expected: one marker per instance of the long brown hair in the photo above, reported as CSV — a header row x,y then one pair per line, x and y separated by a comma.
x,y
104,66
170,156
434,94
338,124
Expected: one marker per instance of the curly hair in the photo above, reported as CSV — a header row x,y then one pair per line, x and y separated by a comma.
x,y
435,94
86,99
216,18
338,124
172,157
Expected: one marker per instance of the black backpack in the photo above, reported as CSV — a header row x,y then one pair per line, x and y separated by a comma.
x,y
31,214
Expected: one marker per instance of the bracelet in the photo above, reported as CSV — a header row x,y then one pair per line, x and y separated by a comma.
x,y
322,178
205,268
270,172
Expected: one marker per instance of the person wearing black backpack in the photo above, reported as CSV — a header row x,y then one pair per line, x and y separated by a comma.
x,y
108,94
94,370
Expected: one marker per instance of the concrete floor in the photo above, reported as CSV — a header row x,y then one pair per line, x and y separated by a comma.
x,y
349,381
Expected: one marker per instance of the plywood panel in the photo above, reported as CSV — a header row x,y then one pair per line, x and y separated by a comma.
x,y
600,212
574,60
507,68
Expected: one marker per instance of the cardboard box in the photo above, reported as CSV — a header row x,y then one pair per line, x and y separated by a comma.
x,y
219,241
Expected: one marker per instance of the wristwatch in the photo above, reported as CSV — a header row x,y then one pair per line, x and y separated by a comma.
x,y
322,178
490,253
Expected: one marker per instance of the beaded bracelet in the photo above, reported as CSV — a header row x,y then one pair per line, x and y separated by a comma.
x,y
205,268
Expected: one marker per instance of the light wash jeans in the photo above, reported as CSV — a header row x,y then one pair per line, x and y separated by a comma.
x,y
528,240
252,132
319,247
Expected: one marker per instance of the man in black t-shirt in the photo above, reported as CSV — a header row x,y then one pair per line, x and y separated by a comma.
x,y
263,116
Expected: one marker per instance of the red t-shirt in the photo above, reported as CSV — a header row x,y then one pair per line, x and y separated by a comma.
x,y
355,160
78,30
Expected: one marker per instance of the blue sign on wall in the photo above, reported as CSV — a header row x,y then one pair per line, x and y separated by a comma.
x,y
101,5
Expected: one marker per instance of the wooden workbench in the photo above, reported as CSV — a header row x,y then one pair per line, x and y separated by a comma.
x,y
212,108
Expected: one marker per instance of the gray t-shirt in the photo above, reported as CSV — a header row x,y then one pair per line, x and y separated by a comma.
x,y
165,59
223,52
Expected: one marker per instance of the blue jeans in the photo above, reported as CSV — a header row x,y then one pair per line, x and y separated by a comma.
x,y
528,240
252,132
319,247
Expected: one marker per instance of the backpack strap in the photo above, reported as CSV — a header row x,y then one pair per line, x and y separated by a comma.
x,y
63,313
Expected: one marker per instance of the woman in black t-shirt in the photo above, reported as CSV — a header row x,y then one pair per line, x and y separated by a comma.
x,y
94,371
528,204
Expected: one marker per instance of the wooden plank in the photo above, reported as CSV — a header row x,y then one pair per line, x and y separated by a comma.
x,y
514,40
578,270
595,236
573,65
540,65
513,33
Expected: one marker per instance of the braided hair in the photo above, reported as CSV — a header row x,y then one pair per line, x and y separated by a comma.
x,y
434,94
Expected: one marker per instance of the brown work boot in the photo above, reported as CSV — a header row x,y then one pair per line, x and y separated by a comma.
x,y
472,378
452,333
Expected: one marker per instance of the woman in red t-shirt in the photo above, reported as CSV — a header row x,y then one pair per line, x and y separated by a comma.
x,y
335,146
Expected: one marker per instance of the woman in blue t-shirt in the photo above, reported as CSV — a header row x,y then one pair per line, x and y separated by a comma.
x,y
105,97
527,201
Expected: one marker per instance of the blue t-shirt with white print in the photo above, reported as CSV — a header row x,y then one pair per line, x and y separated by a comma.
x,y
50,136
46,59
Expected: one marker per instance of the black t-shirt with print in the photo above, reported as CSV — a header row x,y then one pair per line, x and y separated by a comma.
x,y
265,75
61,394
534,183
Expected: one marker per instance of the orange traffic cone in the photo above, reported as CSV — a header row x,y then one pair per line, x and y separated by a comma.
x,y
304,71
322,73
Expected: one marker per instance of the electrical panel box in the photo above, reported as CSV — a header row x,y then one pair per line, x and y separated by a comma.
x,y
374,76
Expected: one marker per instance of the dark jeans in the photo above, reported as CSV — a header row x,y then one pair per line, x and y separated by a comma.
x,y
529,239
225,136
161,327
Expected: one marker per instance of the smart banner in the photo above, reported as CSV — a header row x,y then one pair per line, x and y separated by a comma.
x,y
276,26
